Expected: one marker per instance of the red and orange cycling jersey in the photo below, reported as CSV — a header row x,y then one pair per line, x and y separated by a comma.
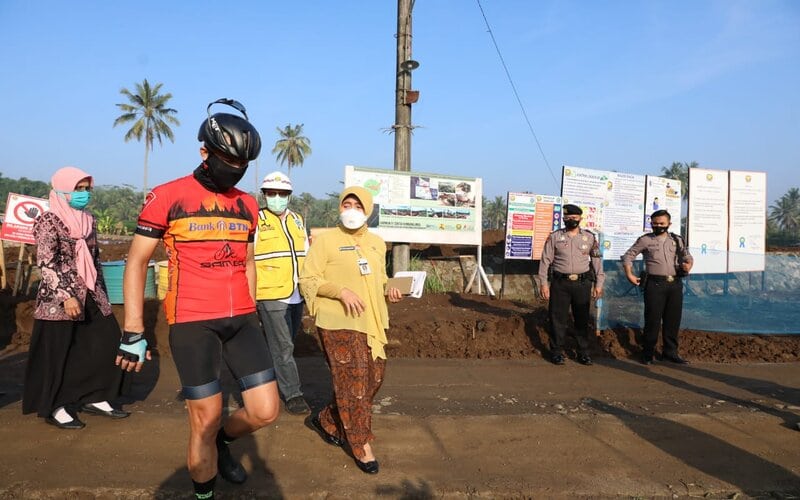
x,y
206,235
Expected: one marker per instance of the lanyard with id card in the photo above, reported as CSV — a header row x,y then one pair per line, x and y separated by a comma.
x,y
363,264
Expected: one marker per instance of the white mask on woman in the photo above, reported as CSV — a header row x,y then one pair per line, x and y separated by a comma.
x,y
352,218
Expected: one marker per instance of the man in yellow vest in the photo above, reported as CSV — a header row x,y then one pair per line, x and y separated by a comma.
x,y
281,243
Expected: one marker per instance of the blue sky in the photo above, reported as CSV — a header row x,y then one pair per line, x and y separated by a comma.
x,y
626,85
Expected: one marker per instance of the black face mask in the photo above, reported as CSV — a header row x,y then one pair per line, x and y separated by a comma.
x,y
659,230
222,175
571,224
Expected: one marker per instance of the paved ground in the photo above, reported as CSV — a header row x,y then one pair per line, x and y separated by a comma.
x,y
452,429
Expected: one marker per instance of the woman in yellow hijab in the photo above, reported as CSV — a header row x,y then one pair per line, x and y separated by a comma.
x,y
343,282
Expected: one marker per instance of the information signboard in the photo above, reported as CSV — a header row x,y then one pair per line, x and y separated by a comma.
x,y
612,203
530,219
748,225
417,207
707,231
663,194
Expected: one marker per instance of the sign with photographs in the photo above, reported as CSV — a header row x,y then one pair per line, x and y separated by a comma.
x,y
416,207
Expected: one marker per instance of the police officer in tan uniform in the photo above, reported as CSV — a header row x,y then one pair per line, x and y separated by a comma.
x,y
570,275
666,260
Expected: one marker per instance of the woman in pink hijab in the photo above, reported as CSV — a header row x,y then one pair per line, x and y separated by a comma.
x,y
75,335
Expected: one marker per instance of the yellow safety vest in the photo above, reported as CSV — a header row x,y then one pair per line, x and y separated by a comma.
x,y
280,250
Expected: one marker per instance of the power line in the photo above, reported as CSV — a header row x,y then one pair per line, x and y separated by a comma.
x,y
516,94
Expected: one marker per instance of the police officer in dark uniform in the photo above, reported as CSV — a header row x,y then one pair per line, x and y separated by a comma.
x,y
570,275
666,260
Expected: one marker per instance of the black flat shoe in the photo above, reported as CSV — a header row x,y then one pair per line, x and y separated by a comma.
x,y
585,360
674,358
71,425
558,359
368,467
113,413
328,438
647,360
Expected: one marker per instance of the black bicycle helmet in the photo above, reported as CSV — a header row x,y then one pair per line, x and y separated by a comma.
x,y
230,135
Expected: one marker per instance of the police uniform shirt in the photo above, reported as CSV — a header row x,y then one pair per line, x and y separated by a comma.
x,y
571,255
659,254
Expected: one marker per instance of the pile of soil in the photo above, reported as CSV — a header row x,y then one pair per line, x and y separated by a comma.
x,y
449,325
457,325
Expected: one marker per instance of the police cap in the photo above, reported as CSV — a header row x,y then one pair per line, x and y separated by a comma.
x,y
570,209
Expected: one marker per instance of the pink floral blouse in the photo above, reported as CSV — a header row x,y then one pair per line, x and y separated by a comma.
x,y
55,256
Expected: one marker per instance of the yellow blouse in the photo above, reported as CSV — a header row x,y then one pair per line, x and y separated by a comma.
x,y
331,265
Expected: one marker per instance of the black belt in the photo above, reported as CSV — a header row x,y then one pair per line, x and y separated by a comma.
x,y
572,277
668,279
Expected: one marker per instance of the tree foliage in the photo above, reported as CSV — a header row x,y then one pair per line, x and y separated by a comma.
x,y
117,207
147,110
784,218
317,212
292,147
494,213
23,185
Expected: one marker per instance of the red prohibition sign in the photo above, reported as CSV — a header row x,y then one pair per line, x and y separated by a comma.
x,y
27,211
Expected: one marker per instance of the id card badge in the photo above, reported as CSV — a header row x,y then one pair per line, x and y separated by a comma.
x,y
363,266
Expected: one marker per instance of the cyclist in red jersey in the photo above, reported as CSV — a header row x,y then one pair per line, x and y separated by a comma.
x,y
208,228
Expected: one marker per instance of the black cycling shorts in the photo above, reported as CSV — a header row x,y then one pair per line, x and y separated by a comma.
x,y
198,347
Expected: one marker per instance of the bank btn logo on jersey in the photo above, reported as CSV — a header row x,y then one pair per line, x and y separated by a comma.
x,y
210,222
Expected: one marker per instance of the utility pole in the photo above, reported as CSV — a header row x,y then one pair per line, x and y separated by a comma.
x,y
402,120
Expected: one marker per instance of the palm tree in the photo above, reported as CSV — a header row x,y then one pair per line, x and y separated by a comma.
x,y
680,172
303,204
494,212
793,195
786,211
292,148
150,116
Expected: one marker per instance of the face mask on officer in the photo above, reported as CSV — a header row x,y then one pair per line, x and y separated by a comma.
x,y
660,229
572,223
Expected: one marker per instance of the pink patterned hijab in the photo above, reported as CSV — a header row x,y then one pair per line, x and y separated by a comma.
x,y
78,222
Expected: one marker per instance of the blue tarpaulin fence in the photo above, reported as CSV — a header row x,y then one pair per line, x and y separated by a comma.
x,y
763,302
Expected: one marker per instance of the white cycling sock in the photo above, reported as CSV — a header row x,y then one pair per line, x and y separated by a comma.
x,y
62,416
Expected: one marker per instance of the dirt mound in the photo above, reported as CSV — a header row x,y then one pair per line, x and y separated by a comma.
x,y
457,325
